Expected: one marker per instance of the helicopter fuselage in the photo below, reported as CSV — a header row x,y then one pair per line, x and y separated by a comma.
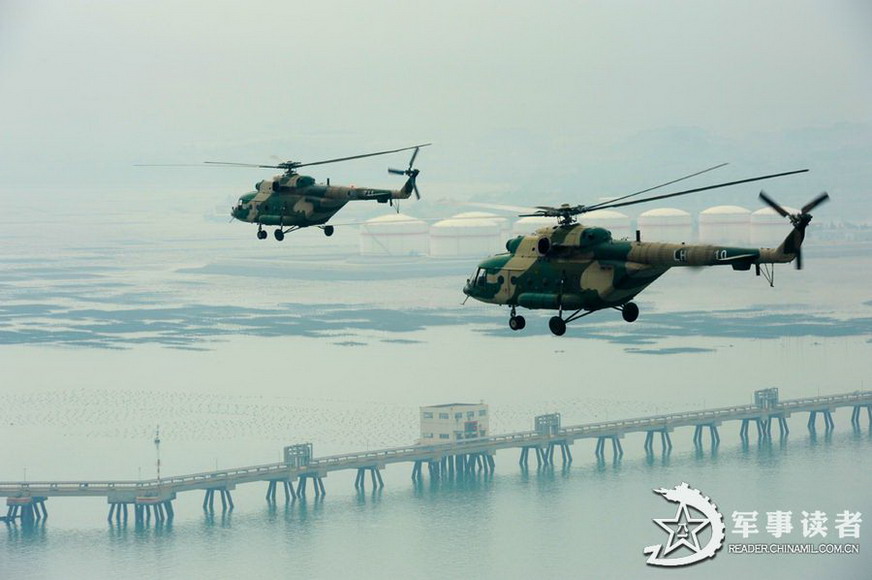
x,y
573,267
297,201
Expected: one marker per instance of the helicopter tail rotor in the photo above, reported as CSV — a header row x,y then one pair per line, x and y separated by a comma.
x,y
412,174
800,220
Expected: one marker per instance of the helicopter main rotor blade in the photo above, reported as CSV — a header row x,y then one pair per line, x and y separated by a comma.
x,y
234,164
815,202
290,165
192,164
698,189
360,156
596,206
773,204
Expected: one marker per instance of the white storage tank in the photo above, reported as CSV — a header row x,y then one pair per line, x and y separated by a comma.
x,y
614,221
466,236
502,221
666,224
725,225
768,228
394,234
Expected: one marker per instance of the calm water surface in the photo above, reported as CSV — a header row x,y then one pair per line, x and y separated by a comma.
x,y
238,349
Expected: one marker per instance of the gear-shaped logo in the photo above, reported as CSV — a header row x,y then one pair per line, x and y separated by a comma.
x,y
686,528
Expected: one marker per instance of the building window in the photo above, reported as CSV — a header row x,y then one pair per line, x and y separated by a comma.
x,y
428,415
443,435
458,415
443,415
428,435
482,413
470,414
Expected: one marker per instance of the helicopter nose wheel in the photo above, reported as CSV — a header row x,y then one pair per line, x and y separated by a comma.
x,y
279,234
328,231
261,235
630,312
517,323
557,326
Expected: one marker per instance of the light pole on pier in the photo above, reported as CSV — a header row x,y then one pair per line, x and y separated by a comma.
x,y
157,451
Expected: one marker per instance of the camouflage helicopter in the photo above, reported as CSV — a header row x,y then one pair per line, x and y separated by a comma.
x,y
571,267
291,201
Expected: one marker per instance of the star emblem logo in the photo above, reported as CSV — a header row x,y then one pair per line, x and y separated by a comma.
x,y
683,530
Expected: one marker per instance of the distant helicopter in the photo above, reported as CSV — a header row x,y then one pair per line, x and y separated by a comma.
x,y
292,201
570,267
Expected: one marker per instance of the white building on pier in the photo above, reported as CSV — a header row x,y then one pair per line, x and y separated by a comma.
x,y
453,422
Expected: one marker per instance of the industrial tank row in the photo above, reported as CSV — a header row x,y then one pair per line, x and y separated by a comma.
x,y
482,233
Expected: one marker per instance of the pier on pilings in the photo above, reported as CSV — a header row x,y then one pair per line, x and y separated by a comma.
x,y
159,506
475,463
28,509
565,452
490,465
434,468
665,440
541,455
317,478
827,413
223,493
451,467
764,426
119,512
714,436
375,476
287,485
617,449
857,412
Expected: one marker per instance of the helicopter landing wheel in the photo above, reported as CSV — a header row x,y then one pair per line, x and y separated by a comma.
x,y
630,312
279,234
557,326
328,231
261,235
517,323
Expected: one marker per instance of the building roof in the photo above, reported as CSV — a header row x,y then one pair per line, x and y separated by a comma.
x,y
454,405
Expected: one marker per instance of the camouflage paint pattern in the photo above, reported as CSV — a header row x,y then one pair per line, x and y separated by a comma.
x,y
297,201
573,267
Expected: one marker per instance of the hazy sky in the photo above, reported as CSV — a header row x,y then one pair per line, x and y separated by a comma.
x,y
87,87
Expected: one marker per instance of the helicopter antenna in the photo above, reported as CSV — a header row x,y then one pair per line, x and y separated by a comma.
x,y
595,206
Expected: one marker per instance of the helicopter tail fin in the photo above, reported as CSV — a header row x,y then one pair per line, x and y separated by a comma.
x,y
791,247
410,185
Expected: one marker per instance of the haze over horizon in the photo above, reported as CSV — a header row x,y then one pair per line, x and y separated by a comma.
x,y
526,103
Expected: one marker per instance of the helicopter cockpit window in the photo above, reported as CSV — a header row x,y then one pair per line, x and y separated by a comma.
x,y
480,277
